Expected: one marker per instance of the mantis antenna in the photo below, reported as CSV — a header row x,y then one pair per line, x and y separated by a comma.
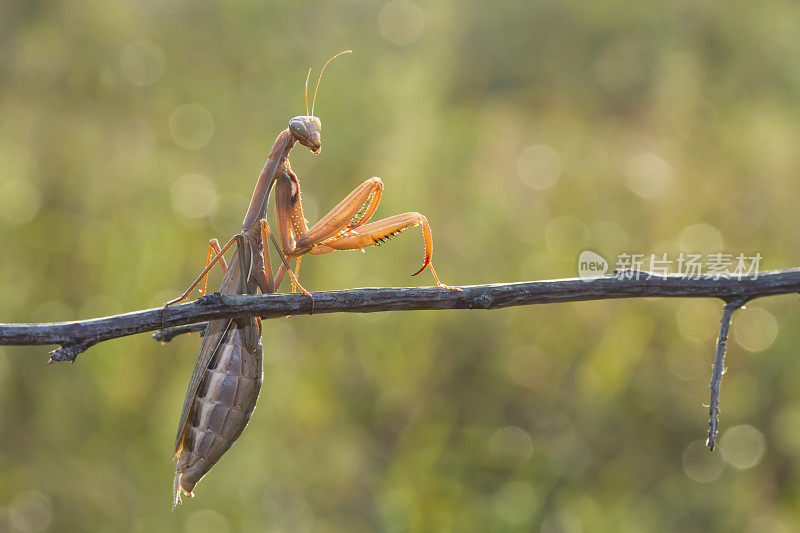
x,y
314,101
307,77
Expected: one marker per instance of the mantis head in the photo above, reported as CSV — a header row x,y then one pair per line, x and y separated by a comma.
x,y
306,130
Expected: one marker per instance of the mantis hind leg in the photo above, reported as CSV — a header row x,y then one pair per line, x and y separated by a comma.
x,y
213,245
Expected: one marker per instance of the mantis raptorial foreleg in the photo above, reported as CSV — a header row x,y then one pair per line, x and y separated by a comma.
x,y
380,231
343,227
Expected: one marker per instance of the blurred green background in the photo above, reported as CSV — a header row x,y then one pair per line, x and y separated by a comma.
x,y
132,132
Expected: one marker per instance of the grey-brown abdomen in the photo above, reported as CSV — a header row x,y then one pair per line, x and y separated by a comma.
x,y
222,406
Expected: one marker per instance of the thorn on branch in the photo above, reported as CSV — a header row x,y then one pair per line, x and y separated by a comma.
x,y
719,369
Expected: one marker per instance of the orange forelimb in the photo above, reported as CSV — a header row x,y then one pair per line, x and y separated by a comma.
x,y
377,233
345,215
344,227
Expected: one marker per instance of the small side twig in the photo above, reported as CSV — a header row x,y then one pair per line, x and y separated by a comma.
x,y
69,352
167,334
719,368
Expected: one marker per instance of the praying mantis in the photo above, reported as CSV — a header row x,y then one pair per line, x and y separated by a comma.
x,y
227,374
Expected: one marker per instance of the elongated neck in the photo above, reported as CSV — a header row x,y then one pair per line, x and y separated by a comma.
x,y
258,204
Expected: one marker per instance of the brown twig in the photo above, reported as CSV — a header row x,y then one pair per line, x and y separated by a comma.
x,y
719,368
77,336
167,334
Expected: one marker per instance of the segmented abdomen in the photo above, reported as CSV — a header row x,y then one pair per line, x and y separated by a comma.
x,y
221,408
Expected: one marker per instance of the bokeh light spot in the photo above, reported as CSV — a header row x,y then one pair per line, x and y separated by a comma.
x,y
687,360
785,431
539,167
703,238
20,200
566,238
142,62
700,464
742,446
516,502
647,175
608,236
698,320
511,442
192,126
30,511
401,22
194,196
755,329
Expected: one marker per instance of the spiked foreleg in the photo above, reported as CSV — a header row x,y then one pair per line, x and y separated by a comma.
x,y
289,210
350,213
343,228
378,232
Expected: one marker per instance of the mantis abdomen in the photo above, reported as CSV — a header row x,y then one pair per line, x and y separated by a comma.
x,y
221,408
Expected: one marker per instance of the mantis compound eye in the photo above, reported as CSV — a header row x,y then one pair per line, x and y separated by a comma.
x,y
306,130
298,128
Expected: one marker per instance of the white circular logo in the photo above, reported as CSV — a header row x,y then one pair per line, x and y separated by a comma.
x,y
591,264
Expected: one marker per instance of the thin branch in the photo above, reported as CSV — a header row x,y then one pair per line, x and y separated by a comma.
x,y
719,368
167,334
77,336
